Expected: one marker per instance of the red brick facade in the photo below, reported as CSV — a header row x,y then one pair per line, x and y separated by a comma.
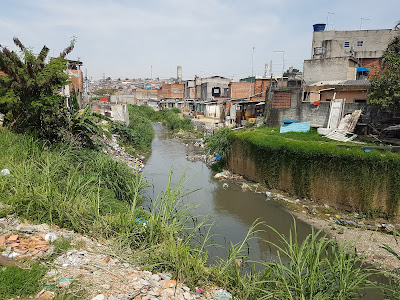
x,y
240,90
174,90
373,65
281,100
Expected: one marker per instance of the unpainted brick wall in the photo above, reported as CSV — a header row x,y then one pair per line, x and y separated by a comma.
x,y
281,100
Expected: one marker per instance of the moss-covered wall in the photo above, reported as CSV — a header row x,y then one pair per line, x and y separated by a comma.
x,y
340,177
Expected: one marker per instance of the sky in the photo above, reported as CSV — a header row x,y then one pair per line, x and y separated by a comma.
x,y
235,39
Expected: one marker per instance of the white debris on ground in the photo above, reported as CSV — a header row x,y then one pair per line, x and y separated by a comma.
x,y
87,268
118,153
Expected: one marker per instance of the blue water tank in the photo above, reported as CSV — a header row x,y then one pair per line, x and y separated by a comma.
x,y
319,27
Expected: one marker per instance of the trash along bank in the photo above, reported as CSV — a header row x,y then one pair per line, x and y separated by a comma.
x,y
307,166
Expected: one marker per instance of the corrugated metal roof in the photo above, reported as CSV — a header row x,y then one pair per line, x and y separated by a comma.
x,y
363,82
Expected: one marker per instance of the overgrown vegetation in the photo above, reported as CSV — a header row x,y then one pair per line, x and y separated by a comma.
x,y
17,282
86,191
317,268
72,188
384,91
304,164
30,98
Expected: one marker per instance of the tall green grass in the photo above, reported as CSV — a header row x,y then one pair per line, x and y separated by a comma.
x,y
89,192
60,185
317,268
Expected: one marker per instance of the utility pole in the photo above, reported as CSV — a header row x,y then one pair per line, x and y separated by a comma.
x,y
268,98
252,63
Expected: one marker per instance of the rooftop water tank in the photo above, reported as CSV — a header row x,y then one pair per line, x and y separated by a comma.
x,y
319,27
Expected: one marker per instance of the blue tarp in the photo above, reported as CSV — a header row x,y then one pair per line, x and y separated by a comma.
x,y
296,127
361,69
289,121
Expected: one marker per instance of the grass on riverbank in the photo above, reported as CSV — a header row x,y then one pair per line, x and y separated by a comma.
x,y
17,282
89,192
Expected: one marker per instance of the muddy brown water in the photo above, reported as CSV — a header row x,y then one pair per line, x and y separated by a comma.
x,y
232,210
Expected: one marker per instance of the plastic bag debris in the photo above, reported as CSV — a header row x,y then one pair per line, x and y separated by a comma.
x,y
50,237
221,176
5,172
140,221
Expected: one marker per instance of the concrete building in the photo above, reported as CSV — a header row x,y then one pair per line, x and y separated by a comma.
x,y
211,88
75,75
336,55
171,95
341,63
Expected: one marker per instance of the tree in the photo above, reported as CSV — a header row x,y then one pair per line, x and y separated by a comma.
x,y
30,97
385,88
291,71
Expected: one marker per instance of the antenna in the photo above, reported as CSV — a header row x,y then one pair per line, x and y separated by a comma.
x,y
252,63
327,19
283,60
365,19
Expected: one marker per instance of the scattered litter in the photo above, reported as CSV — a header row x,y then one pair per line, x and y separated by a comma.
x,y
72,258
342,221
225,185
64,282
388,227
50,237
118,153
140,221
221,175
222,294
199,290
5,172
267,194
245,186
297,201
307,209
43,294
166,276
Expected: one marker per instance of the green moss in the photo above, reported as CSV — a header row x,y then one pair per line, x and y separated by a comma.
x,y
308,156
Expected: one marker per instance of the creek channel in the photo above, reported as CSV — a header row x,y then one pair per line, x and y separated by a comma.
x,y
232,210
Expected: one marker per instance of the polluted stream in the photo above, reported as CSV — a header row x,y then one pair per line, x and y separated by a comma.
x,y
232,210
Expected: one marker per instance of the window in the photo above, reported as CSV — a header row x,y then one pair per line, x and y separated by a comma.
x,y
180,92
216,92
319,50
360,100
360,43
274,84
346,44
174,91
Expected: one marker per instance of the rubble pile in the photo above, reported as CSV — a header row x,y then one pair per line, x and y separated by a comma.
x,y
113,279
118,152
87,269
